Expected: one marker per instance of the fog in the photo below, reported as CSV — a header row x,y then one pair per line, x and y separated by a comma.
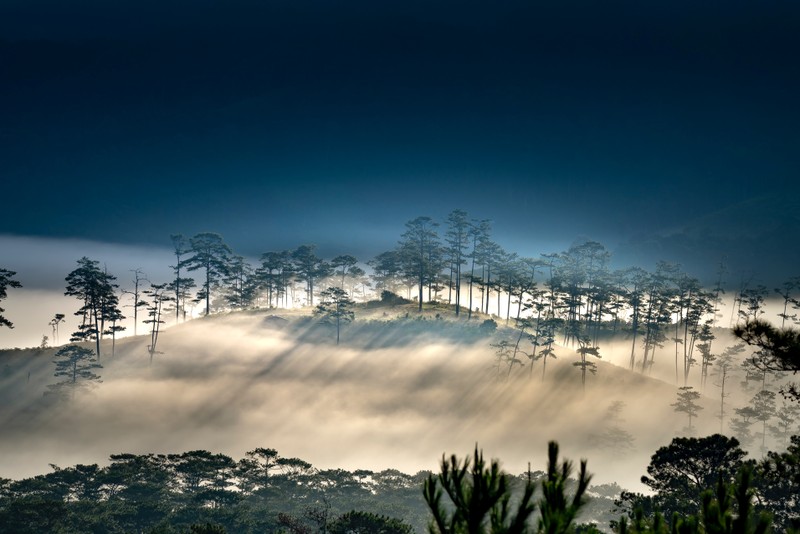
x,y
394,395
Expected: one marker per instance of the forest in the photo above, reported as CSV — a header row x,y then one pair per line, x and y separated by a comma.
x,y
626,362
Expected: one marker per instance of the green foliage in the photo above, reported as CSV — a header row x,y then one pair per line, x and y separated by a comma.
x,y
76,364
481,499
687,403
309,268
780,347
417,253
392,299
96,291
174,493
335,308
777,479
207,251
681,471
729,510
488,325
6,281
558,511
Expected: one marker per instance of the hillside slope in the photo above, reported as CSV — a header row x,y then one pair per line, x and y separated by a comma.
x,y
398,392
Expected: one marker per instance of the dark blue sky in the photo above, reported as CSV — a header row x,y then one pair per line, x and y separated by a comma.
x,y
277,123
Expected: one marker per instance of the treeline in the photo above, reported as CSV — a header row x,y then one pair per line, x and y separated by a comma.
x,y
698,485
573,294
262,492
572,298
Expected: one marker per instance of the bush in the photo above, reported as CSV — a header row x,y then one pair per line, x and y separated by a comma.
x,y
390,298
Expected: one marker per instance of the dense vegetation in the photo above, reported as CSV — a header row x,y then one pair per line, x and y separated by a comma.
x,y
701,485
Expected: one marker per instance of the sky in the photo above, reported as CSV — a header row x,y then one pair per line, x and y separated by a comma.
x,y
276,123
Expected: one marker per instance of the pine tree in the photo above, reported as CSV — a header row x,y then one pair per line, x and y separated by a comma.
x,y
336,308
687,403
210,253
6,281
95,288
77,365
309,268
416,250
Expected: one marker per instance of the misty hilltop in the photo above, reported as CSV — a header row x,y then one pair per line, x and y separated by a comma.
x,y
398,391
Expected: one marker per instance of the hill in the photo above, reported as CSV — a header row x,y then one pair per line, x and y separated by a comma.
x,y
399,391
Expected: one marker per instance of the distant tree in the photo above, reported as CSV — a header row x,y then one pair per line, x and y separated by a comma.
x,y
343,265
95,288
6,281
358,277
687,403
415,247
786,291
585,349
242,284
613,437
113,316
636,281
157,295
657,313
273,276
787,424
742,424
76,364
724,366
490,258
545,337
457,241
181,289
753,299
505,355
763,404
204,479
705,336
478,232
254,470
386,269
335,308
138,278
179,286
210,253
309,268
54,323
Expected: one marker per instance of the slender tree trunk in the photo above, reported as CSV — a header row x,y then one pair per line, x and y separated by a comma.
x,y
97,334
722,400
208,290
458,285
471,280
450,287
